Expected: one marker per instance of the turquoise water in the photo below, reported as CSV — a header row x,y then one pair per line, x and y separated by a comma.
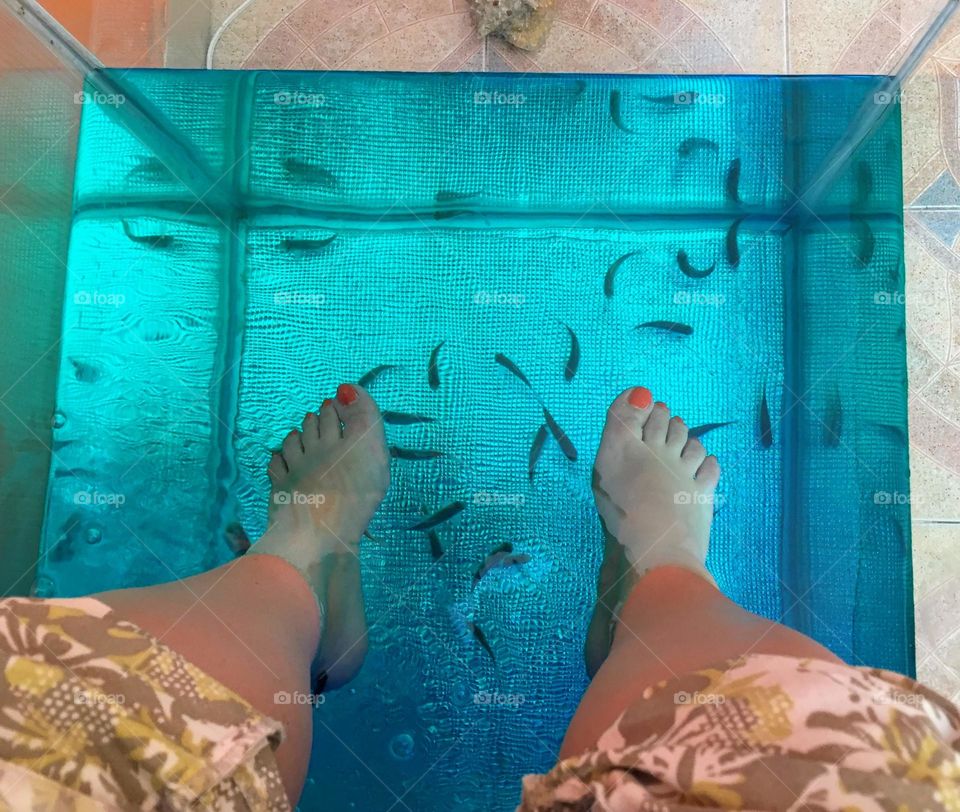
x,y
485,212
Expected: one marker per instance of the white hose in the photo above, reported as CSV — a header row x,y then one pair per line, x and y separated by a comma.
x,y
218,34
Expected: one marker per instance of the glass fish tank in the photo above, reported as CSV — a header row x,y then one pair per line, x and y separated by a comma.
x,y
495,257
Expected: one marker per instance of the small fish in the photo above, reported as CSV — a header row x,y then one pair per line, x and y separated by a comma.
x,y
79,473
150,169
863,183
681,99
436,549
443,199
502,359
237,539
537,448
404,418
683,262
612,272
481,639
312,172
733,243
733,181
896,432
866,242
668,326
85,373
567,447
369,377
833,420
441,516
415,454
433,373
573,360
615,111
153,240
699,431
766,433
692,145
307,245
500,558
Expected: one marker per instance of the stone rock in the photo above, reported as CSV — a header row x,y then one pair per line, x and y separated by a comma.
x,y
523,23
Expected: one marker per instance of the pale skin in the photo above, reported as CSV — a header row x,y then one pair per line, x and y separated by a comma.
x,y
256,624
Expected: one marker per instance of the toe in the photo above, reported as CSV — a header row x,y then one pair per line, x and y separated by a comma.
x,y
277,469
708,474
292,448
329,422
311,431
357,411
676,434
655,429
693,454
629,412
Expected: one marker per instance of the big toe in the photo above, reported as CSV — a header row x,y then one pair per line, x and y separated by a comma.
x,y
358,411
626,418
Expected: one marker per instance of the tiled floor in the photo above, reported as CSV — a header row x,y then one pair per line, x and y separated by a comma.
x,y
758,36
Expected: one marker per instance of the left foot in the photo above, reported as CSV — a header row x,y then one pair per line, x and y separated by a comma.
x,y
327,484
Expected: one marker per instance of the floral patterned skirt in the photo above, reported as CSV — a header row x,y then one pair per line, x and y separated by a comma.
x,y
768,732
95,714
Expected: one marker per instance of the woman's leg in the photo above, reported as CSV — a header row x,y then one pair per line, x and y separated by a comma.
x,y
257,623
659,613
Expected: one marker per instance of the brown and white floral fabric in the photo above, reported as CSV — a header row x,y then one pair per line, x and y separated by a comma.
x,y
767,732
96,714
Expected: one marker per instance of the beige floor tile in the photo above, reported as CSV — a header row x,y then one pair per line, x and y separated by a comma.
x,y
350,35
399,13
821,32
923,157
747,37
934,488
664,16
422,46
936,589
629,34
246,32
705,52
571,49
313,17
930,268
936,561
575,12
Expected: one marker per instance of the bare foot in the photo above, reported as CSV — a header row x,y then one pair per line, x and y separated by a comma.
x,y
654,490
328,482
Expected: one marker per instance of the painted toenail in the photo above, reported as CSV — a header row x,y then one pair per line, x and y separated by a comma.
x,y
307,416
639,397
346,394
326,402
659,405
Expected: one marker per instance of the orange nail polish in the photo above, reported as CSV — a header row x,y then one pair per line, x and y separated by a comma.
x,y
639,397
659,405
306,417
346,394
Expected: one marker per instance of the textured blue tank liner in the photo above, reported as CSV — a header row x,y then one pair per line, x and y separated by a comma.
x,y
484,211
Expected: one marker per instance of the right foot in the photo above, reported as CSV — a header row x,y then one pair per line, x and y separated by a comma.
x,y
654,490
327,484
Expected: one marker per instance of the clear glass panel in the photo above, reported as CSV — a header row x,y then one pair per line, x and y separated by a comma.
x,y
39,117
